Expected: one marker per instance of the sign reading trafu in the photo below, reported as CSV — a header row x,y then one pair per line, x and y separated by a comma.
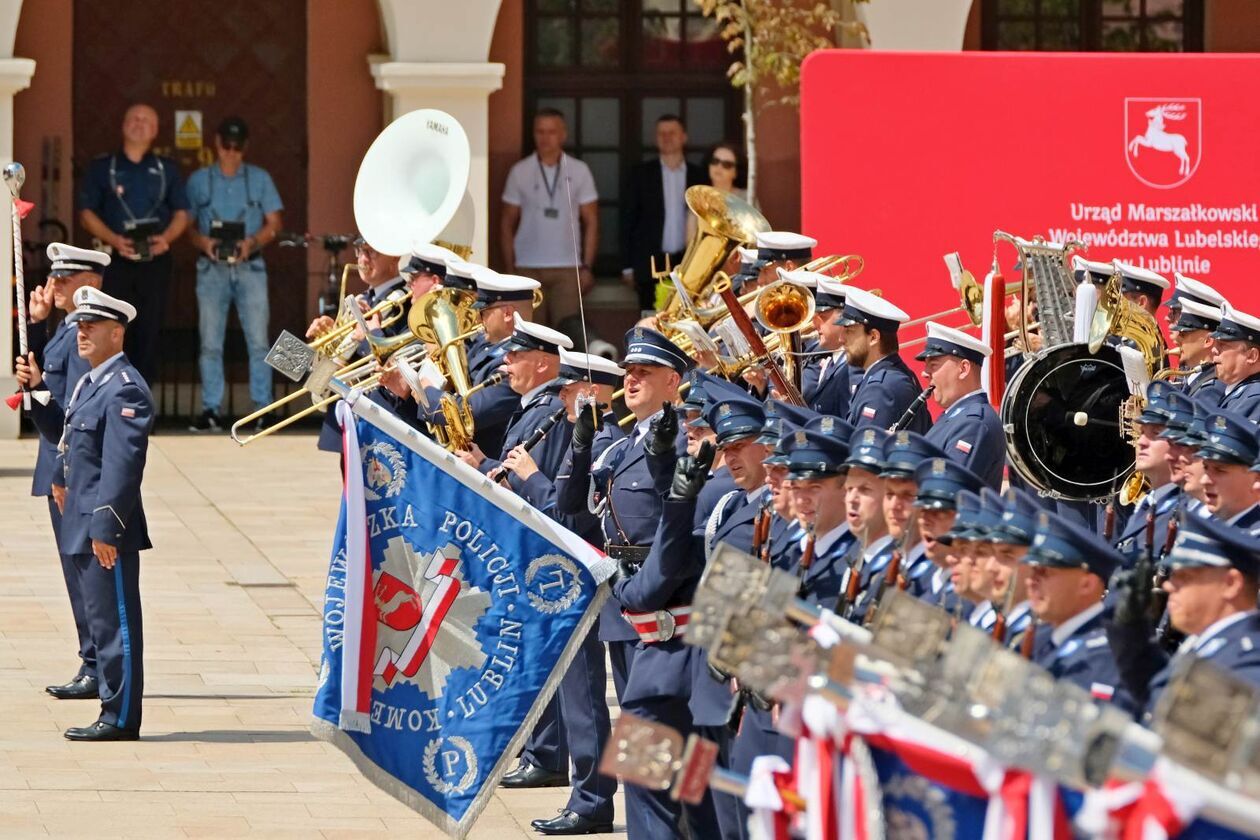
x,y
1148,158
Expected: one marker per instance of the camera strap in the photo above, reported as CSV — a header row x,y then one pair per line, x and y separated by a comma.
x,y
122,199
210,199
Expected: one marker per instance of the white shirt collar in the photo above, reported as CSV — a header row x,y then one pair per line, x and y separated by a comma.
x,y
1060,634
939,578
641,427
1220,627
681,167
824,543
876,547
978,614
98,371
528,396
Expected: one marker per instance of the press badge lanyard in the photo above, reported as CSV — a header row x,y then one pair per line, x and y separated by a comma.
x,y
551,212
118,191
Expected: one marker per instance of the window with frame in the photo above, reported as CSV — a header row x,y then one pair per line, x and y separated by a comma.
x,y
1093,25
612,67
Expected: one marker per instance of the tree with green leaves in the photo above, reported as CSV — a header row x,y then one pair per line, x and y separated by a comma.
x,y
770,39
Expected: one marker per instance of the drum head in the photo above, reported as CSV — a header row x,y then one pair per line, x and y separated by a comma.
x,y
1062,419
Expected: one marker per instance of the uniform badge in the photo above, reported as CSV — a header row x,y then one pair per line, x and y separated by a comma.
x,y
638,333
800,437
724,410
903,438
1219,423
963,446
938,466
827,424
128,411
868,437
868,411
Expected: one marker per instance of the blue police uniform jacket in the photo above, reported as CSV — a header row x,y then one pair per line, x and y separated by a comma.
x,y
531,410
970,432
576,491
1248,520
106,443
491,407
828,391
1085,659
1205,385
330,431
1244,397
1235,649
874,567
937,588
917,570
823,581
62,367
668,578
886,391
1017,624
1131,541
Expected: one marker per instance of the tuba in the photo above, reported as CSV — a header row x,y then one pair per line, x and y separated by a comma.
x,y
410,186
723,222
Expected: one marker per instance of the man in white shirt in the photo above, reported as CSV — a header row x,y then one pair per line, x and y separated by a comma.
x,y
549,225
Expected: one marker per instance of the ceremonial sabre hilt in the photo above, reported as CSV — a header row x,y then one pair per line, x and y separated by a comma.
x,y
15,177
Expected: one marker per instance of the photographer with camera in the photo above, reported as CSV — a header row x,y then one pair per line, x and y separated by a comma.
x,y
237,212
133,202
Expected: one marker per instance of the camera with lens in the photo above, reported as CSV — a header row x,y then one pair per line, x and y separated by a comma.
x,y
227,237
139,231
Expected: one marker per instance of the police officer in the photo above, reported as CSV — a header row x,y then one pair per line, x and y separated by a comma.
x,y
970,578
1228,453
888,386
903,452
970,430
380,273
236,211
1142,286
1154,463
1237,357
1194,328
781,249
133,201
1187,288
940,482
864,511
1070,566
1008,523
107,419
58,358
824,555
1212,592
609,472
826,382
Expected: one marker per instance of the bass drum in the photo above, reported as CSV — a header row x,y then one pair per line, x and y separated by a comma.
x,y
1061,414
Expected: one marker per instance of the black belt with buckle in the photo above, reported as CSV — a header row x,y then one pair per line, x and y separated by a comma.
x,y
635,554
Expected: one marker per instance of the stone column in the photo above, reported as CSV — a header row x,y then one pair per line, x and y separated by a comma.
x,y
462,89
937,26
15,75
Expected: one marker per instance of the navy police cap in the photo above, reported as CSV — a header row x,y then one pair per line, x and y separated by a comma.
x,y
646,346
866,450
940,480
1208,542
735,418
815,454
1019,518
905,450
1059,543
1237,326
1231,439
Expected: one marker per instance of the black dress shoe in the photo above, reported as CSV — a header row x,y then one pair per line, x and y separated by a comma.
x,y
82,687
569,822
529,776
101,731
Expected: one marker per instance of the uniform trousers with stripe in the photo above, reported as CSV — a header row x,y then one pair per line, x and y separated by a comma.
x,y
74,588
111,600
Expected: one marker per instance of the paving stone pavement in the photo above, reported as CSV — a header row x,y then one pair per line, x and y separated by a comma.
x,y
232,636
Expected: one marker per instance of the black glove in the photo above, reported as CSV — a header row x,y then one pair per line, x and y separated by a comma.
x,y
663,432
1133,597
690,474
625,570
589,421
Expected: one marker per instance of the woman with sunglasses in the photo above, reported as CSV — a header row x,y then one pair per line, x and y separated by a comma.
x,y
724,169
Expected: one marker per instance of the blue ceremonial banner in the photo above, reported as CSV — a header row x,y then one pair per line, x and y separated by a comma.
x,y
915,806
452,610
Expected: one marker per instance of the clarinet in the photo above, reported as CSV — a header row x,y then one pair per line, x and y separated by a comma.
x,y
913,409
533,440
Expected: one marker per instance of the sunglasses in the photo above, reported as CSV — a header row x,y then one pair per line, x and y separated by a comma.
x,y
232,147
725,164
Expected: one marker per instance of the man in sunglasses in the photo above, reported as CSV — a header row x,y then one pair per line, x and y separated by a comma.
x,y
236,210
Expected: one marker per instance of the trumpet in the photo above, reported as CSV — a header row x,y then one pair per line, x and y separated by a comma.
x,y
390,311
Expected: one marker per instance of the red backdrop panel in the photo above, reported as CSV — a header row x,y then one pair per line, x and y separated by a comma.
x,y
1152,159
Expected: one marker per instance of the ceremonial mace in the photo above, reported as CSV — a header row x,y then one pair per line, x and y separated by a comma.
x,y
15,177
